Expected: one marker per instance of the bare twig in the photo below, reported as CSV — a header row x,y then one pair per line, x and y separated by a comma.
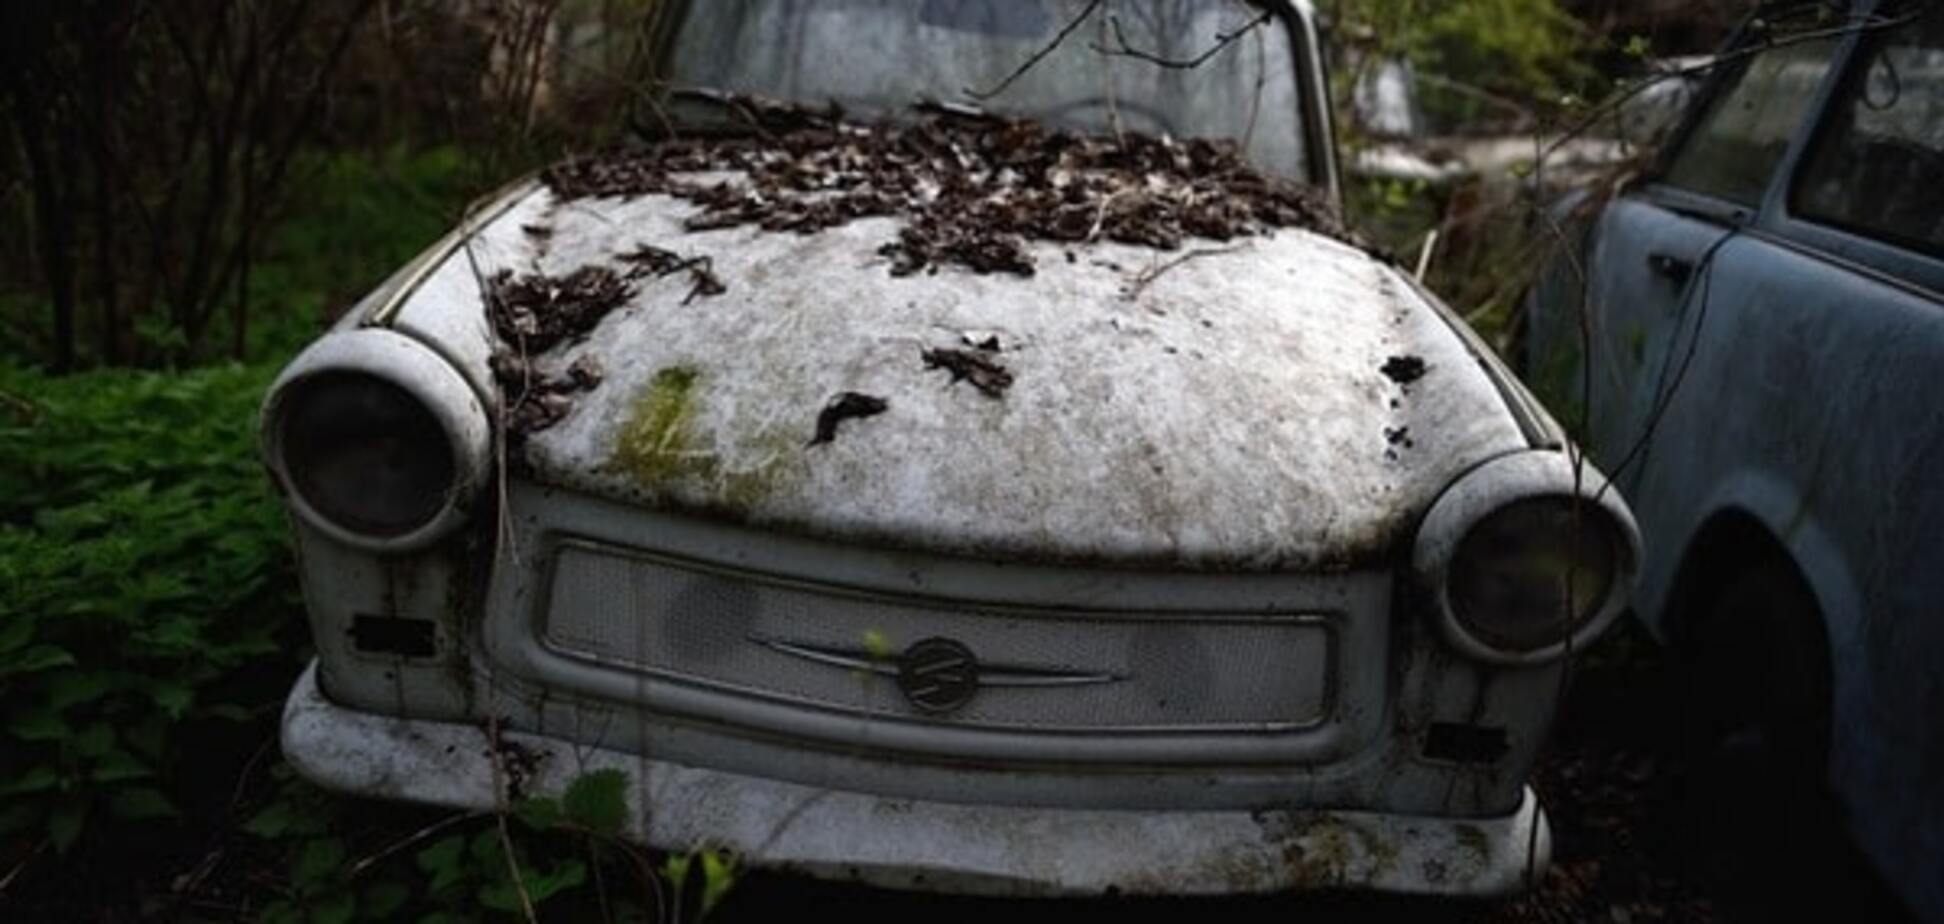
x,y
1223,40
500,810
1612,103
1037,56
1148,276
14,873
407,841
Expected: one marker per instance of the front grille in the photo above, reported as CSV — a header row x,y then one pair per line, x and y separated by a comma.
x,y
837,650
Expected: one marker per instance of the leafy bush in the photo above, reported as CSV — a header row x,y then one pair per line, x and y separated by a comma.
x,y
148,591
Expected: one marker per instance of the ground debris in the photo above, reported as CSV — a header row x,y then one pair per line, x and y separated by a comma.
x,y
534,399
845,406
984,373
649,260
535,312
1404,369
972,188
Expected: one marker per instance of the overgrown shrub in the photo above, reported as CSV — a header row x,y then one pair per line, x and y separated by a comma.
x,y
146,591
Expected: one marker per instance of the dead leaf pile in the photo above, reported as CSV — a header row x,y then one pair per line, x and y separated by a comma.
x,y
972,188
535,312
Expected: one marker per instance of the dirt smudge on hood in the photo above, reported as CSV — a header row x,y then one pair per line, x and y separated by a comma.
x,y
1404,369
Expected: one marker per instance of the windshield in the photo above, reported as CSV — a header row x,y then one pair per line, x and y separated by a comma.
x,y
1185,68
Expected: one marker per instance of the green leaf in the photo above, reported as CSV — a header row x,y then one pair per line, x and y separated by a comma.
x,y
384,899
338,909
173,699
272,822
597,801
718,876
34,660
73,688
538,813
487,851
64,824
15,632
38,724
503,896
567,874
40,778
119,766
142,803
317,862
93,741
281,912
444,860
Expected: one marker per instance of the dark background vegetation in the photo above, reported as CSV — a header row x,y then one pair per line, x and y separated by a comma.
x,y
191,189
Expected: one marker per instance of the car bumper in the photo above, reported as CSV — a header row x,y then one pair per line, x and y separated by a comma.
x,y
933,846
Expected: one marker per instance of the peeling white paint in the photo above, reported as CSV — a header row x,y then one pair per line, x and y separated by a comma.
x,y
1230,414
911,843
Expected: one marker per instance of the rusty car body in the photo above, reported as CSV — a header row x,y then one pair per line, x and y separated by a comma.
x,y
871,542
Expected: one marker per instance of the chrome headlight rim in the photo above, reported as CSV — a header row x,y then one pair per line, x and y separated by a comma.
x,y
1537,475
423,375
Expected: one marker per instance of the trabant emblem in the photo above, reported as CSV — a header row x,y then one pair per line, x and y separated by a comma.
x,y
938,675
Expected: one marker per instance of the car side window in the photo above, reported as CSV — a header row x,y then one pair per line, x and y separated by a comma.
x,y
1741,138
1878,168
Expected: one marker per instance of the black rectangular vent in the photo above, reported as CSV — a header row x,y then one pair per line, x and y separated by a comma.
x,y
1465,744
409,638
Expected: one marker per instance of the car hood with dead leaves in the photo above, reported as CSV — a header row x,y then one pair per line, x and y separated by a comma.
x,y
1276,402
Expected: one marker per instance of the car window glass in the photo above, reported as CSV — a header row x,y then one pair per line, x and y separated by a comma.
x,y
1734,149
876,57
1879,167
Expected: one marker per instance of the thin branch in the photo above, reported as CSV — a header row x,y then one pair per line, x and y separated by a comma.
x,y
1037,56
1147,277
1614,102
12,874
407,841
500,811
1222,40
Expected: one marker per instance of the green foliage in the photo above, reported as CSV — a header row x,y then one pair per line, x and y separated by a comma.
x,y
1482,65
597,801
358,217
462,867
1524,47
144,568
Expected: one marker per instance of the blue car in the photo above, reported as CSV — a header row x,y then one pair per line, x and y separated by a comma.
x,y
1761,369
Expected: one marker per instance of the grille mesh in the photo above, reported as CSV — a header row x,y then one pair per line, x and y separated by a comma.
x,y
1172,672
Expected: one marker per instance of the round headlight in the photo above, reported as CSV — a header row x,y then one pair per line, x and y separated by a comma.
x,y
365,454
1523,557
1532,573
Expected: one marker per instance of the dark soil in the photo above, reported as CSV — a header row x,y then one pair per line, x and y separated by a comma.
x,y
972,188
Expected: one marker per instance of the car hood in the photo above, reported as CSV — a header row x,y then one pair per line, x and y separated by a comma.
x,y
1282,402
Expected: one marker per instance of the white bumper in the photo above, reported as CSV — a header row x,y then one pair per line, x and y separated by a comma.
x,y
938,846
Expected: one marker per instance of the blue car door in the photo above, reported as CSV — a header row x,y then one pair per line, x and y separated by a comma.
x,y
1651,260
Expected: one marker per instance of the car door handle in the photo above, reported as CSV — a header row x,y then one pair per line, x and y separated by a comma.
x,y
1674,269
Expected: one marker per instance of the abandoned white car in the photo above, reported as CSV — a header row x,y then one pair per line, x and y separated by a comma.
x,y
1033,491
